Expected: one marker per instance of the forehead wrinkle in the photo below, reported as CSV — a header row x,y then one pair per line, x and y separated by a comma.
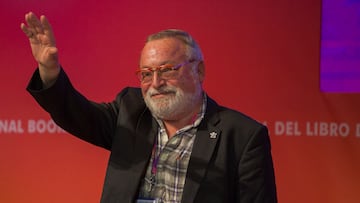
x,y
167,51
163,51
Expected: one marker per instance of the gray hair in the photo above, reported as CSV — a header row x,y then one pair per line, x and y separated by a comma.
x,y
193,49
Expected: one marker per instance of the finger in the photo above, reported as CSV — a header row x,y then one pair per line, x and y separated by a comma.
x,y
34,23
47,28
53,50
27,32
29,28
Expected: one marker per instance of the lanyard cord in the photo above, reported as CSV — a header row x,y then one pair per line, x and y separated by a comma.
x,y
155,158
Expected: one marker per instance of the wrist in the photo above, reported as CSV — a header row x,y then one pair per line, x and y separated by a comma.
x,y
49,75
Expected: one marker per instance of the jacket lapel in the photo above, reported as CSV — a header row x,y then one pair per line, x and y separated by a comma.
x,y
146,132
206,139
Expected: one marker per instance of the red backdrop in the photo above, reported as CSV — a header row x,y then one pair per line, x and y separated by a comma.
x,y
261,57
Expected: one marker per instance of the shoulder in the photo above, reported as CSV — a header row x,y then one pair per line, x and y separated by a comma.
x,y
130,91
130,95
129,99
228,117
237,129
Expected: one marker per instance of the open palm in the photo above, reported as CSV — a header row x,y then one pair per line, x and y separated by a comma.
x,y
42,42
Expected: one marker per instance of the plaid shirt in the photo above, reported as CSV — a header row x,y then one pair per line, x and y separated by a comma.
x,y
165,176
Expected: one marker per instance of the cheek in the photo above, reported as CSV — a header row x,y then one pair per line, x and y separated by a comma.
x,y
144,89
187,85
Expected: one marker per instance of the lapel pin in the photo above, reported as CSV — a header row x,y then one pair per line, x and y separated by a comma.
x,y
213,135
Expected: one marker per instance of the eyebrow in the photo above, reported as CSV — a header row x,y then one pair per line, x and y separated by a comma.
x,y
167,62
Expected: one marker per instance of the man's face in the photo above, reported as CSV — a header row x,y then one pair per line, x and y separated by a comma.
x,y
171,99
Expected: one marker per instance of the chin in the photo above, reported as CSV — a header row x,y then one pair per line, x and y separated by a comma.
x,y
163,110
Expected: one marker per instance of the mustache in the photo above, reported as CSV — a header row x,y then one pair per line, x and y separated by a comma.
x,y
162,90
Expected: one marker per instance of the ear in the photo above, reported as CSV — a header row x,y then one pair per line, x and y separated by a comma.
x,y
201,71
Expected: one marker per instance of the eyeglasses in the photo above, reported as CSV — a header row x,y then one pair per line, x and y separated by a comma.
x,y
166,72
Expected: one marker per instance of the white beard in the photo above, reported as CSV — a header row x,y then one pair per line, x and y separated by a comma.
x,y
171,107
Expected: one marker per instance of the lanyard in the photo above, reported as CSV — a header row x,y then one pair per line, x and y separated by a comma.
x,y
154,165
155,158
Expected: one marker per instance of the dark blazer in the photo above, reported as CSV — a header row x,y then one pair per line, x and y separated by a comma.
x,y
230,162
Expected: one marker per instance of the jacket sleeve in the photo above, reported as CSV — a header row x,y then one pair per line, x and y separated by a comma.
x,y
90,121
256,180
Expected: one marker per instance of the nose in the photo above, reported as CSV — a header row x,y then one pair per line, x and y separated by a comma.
x,y
157,81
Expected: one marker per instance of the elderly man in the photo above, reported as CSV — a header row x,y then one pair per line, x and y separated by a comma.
x,y
169,141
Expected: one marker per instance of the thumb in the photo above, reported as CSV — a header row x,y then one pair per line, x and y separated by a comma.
x,y
52,50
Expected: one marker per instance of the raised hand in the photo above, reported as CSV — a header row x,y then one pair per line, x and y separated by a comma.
x,y
42,42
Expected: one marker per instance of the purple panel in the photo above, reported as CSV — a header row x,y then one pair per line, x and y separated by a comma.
x,y
340,46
